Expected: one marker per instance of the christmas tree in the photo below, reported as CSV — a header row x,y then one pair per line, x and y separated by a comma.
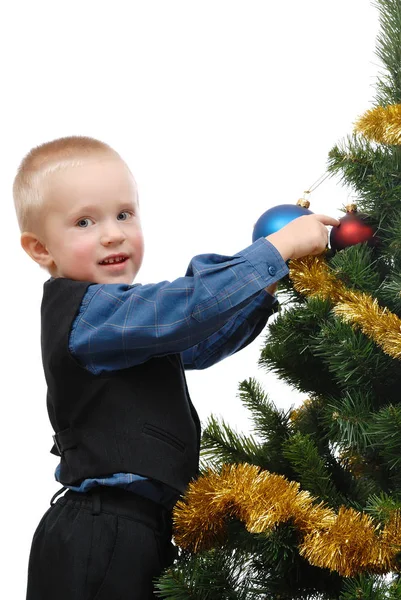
x,y
309,506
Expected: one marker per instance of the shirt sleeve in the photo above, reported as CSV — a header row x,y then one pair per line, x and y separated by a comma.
x,y
120,325
237,333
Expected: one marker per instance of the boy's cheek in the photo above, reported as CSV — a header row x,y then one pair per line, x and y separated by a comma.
x,y
81,248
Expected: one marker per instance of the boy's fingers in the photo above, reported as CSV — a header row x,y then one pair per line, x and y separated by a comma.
x,y
326,220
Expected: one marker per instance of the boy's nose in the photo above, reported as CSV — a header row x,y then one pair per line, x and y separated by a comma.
x,y
112,235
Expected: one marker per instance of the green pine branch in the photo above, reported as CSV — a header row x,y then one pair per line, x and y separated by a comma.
x,y
221,444
349,421
390,289
386,432
357,364
381,506
311,468
371,587
213,575
357,268
388,49
289,348
390,236
372,171
270,423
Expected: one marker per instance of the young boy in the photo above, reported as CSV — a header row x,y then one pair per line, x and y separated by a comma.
x,y
114,356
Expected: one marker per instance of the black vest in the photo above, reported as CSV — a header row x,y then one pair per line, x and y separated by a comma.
x,y
136,420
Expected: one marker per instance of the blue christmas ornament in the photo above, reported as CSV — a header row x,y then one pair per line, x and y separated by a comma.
x,y
275,218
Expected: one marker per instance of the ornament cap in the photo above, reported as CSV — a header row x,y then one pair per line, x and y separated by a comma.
x,y
303,202
352,207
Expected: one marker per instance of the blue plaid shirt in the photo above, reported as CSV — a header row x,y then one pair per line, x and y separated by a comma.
x,y
219,307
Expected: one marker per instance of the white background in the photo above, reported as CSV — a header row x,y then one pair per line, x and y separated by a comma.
x,y
222,109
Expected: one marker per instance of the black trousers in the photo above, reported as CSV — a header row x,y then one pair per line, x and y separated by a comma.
x,y
106,544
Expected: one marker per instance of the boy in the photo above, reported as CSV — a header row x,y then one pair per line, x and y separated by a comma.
x,y
114,356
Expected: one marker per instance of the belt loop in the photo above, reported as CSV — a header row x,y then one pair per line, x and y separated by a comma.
x,y
60,491
96,504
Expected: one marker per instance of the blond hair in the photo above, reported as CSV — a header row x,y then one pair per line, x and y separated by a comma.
x,y
39,163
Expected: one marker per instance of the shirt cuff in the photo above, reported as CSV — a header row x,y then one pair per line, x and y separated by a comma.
x,y
266,259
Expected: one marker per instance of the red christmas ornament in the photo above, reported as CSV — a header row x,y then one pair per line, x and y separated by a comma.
x,y
353,229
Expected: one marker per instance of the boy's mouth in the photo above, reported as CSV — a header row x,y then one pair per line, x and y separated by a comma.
x,y
114,259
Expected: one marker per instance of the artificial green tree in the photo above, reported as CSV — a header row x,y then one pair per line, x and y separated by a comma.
x,y
343,444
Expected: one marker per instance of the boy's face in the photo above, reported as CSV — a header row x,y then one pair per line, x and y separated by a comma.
x,y
92,215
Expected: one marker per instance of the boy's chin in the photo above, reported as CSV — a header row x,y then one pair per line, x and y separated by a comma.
x,y
124,279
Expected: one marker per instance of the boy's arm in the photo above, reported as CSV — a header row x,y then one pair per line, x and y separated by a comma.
x,y
119,326
237,333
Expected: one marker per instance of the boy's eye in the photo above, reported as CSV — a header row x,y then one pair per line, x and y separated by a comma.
x,y
123,216
83,223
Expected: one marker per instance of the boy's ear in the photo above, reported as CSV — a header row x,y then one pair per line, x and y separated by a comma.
x,y
36,249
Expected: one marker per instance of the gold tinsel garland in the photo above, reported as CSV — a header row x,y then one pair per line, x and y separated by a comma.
x,y
381,124
348,542
311,277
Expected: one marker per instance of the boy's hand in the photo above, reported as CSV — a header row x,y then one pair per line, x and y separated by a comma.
x,y
302,236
